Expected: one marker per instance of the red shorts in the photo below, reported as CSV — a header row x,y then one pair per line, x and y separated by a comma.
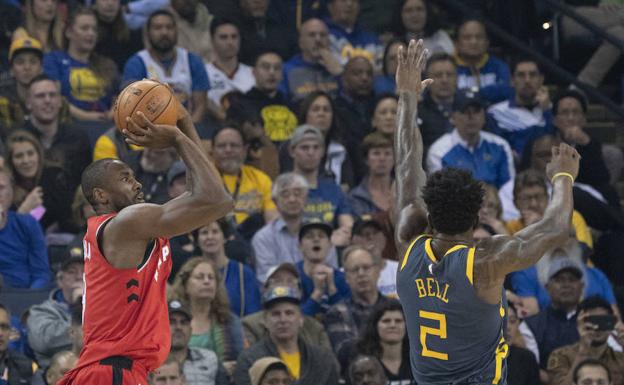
x,y
109,371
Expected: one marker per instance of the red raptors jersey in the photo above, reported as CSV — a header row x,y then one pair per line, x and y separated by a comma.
x,y
125,310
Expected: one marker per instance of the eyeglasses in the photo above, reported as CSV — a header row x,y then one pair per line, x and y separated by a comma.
x,y
363,268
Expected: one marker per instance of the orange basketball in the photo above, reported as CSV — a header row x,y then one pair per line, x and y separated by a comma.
x,y
152,98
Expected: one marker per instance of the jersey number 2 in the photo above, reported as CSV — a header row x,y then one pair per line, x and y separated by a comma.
x,y
440,332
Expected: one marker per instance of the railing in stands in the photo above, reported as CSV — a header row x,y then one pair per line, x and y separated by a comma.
x,y
548,64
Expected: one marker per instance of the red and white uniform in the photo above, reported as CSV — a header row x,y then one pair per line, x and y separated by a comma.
x,y
124,313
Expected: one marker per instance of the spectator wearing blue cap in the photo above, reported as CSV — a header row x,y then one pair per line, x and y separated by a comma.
x,y
307,363
468,147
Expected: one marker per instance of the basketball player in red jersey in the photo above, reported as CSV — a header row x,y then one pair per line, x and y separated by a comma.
x,y
128,258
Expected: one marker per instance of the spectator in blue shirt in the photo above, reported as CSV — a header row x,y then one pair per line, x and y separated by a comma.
x,y
163,60
488,156
321,284
477,70
347,38
88,80
528,113
23,253
326,201
240,280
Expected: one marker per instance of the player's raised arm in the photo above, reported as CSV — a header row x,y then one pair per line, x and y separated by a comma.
x,y
408,147
205,200
499,256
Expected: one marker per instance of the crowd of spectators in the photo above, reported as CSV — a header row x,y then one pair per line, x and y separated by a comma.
x,y
296,105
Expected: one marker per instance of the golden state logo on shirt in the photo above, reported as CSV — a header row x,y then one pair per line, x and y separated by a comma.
x,y
85,85
279,122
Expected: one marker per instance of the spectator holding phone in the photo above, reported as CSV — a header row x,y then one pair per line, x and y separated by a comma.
x,y
595,322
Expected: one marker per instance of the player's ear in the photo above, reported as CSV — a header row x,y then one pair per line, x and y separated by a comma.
x,y
100,195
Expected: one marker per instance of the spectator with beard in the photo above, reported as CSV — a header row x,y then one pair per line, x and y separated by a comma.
x,y
166,62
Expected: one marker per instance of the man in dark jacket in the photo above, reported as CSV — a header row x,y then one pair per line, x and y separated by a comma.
x,y
16,369
309,364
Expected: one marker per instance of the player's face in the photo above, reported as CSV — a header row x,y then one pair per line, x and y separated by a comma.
x,y
268,72
25,159
384,117
229,151
168,374
276,377
283,321
291,201
315,245
307,154
371,238
5,330
180,327
380,161
226,41
124,189
202,283
320,114
444,77
162,34
414,15
527,80
391,327
82,34
532,198
25,66
361,272
593,375
44,101
472,41
211,240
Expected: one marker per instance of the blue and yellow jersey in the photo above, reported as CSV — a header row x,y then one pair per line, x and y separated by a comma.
x,y
455,337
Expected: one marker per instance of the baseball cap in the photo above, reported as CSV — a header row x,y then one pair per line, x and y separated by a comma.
x,y
25,44
364,222
176,306
260,367
284,266
467,98
177,168
277,294
315,223
560,264
306,131
70,261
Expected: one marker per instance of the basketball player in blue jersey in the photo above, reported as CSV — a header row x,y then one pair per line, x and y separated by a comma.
x,y
451,289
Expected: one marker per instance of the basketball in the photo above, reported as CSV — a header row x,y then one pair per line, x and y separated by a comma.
x,y
152,98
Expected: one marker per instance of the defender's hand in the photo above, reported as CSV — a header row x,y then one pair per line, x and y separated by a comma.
x,y
142,132
410,68
564,159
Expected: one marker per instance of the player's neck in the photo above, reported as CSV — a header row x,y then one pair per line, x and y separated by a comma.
x,y
441,243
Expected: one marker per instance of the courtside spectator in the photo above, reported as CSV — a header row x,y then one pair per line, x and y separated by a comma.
x,y
193,22
168,63
48,322
63,144
527,114
23,254
88,80
418,21
468,146
477,70
308,364
315,68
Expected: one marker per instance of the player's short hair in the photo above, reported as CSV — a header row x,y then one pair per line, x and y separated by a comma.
x,y
594,302
589,362
94,176
529,178
453,198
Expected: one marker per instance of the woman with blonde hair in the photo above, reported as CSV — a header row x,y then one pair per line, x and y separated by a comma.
x,y
40,189
44,21
199,287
